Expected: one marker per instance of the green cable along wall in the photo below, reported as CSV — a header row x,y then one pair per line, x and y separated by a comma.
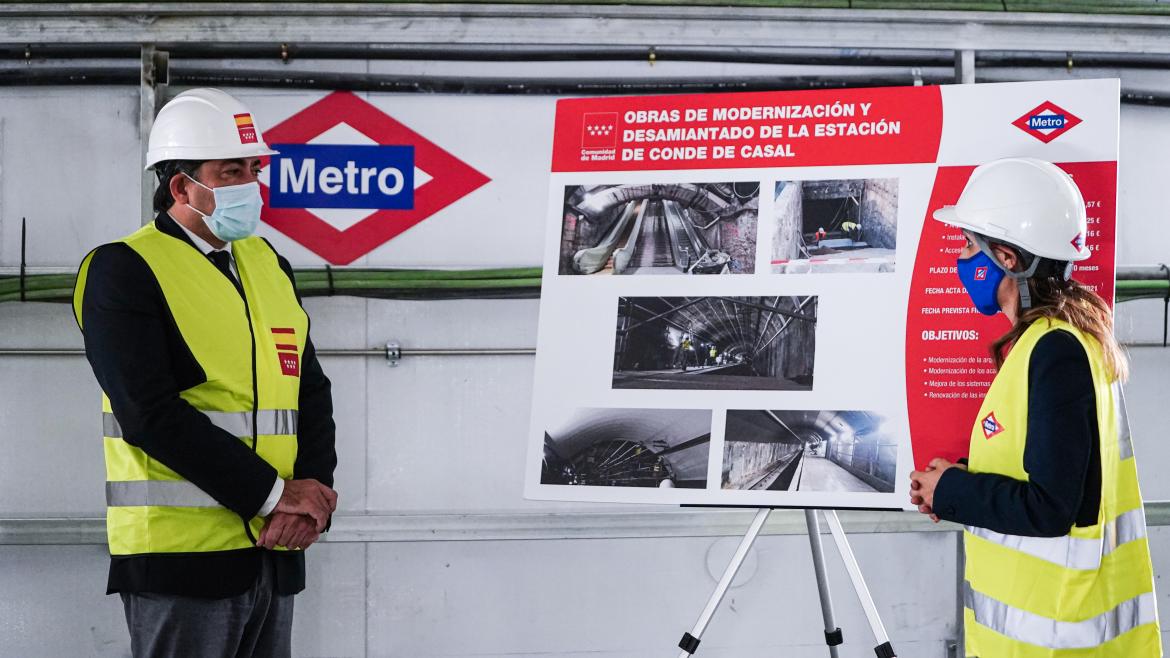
x,y
1046,6
1132,283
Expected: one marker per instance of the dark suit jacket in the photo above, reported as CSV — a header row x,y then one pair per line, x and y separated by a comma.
x,y
142,363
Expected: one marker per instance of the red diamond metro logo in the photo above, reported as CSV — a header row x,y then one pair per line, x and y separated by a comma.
x,y
991,426
446,179
1047,121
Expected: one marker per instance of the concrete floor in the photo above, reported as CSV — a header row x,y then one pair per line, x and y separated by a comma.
x,y
820,474
653,271
697,379
870,259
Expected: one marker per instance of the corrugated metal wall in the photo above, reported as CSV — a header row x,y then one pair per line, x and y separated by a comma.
x,y
435,552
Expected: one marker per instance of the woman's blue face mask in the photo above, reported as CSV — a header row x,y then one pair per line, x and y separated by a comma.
x,y
981,276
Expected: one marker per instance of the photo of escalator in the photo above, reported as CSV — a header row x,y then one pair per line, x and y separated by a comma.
x,y
660,229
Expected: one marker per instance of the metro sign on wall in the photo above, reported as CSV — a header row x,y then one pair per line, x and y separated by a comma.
x,y
350,178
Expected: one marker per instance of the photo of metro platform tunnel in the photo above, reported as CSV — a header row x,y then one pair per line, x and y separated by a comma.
x,y
835,226
715,343
668,228
809,451
629,448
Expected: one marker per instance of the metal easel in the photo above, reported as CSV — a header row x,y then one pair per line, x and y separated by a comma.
x,y
833,636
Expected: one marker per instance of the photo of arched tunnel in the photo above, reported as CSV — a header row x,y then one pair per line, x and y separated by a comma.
x,y
835,226
667,228
629,448
715,343
809,451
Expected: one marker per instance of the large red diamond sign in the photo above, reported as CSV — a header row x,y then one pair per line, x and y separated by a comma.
x,y
445,179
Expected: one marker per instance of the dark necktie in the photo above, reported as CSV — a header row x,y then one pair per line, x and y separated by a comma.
x,y
222,261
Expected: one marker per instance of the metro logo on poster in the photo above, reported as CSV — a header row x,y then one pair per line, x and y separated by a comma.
x,y
342,176
1078,242
980,273
1047,121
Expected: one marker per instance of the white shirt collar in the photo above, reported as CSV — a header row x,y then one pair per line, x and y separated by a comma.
x,y
201,244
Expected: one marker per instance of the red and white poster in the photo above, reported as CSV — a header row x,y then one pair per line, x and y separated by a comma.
x,y
746,300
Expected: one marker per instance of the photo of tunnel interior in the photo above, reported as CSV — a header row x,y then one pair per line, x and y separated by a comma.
x,y
809,451
629,448
835,226
715,343
676,228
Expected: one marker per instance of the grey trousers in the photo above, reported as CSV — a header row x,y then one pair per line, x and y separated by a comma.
x,y
257,623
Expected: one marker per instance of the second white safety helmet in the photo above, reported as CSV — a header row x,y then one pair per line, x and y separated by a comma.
x,y
204,124
1026,202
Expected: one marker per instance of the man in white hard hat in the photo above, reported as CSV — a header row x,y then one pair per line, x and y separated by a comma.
x,y
217,418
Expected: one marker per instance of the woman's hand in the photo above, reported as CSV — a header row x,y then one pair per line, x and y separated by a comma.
x,y
923,483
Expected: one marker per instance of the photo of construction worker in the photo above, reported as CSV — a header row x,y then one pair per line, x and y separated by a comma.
x,y
675,228
685,353
715,343
835,226
809,451
663,448
1049,491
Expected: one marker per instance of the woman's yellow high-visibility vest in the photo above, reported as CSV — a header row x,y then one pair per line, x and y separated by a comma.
x,y
250,351
1088,593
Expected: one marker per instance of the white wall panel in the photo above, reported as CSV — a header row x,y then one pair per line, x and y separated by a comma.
x,y
69,163
53,603
330,615
348,377
635,597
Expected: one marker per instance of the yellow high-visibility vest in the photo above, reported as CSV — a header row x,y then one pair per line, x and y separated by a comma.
x,y
250,352
1088,593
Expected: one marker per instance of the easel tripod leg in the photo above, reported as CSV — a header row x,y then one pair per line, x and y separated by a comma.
x,y
690,641
833,635
883,649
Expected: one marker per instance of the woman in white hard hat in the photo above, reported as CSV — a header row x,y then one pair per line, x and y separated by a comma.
x,y
1057,561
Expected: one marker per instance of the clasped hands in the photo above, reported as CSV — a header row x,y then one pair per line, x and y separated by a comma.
x,y
300,516
923,483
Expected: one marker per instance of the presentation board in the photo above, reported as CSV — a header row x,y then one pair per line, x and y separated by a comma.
x,y
746,302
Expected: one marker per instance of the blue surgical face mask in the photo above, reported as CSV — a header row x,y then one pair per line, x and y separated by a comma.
x,y
237,210
981,276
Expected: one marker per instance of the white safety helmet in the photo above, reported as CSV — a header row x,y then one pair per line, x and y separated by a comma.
x,y
1025,202
204,124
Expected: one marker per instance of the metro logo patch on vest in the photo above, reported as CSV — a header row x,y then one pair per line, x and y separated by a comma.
x,y
991,426
290,360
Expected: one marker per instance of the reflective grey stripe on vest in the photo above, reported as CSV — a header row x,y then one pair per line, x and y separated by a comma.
x,y
1074,552
1124,442
1032,628
166,493
237,423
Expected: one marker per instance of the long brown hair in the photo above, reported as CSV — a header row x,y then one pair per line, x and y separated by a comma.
x,y
1073,302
